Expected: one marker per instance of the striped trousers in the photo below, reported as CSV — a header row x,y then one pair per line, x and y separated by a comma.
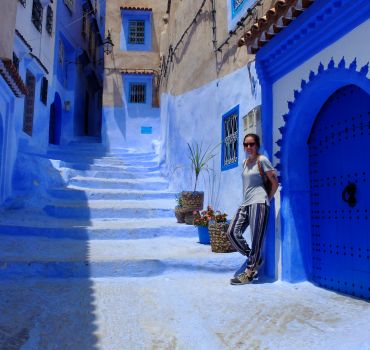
x,y
254,215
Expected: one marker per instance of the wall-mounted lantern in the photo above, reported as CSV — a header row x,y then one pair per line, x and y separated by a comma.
x,y
108,44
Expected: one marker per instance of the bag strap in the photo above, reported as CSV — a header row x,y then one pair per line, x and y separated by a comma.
x,y
262,173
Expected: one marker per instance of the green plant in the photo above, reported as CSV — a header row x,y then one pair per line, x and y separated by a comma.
x,y
178,199
199,158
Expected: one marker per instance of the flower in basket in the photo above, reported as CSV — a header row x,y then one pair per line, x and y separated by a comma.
x,y
204,217
220,217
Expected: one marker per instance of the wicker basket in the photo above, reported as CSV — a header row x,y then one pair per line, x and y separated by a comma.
x,y
180,215
189,218
192,200
219,241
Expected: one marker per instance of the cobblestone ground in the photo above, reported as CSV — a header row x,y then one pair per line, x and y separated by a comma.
x,y
178,311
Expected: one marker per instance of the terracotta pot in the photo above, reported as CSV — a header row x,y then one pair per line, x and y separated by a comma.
x,y
192,201
180,215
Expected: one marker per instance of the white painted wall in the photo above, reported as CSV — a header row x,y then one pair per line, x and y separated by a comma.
x,y
196,116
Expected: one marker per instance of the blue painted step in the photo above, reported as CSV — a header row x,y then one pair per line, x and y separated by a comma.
x,y
138,184
85,231
121,174
81,166
105,210
79,193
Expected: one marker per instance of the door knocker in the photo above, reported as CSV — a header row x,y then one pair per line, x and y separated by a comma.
x,y
348,194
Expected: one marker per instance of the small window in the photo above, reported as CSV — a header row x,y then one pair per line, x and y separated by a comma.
x,y
137,92
29,102
230,126
23,2
16,61
136,34
49,20
44,91
37,14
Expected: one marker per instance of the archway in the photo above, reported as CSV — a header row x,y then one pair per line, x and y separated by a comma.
x,y
294,162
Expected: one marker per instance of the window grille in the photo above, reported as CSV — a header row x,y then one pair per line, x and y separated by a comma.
x,y
23,2
37,14
136,32
44,91
230,141
137,92
69,4
49,20
29,104
16,61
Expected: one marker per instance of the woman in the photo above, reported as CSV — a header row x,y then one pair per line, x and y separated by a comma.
x,y
254,210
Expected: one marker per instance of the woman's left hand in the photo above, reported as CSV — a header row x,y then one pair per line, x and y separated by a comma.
x,y
271,175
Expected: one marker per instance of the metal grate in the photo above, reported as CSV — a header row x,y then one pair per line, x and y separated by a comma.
x,y
136,32
137,92
230,142
37,14
49,19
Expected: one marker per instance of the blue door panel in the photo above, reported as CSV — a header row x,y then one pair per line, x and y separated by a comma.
x,y
339,147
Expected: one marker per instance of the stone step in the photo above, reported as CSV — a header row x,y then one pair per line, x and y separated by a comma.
x,y
117,174
84,193
39,225
89,209
89,155
157,183
26,257
99,167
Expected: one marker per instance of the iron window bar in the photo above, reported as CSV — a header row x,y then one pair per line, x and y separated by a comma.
x,y
136,32
37,14
137,92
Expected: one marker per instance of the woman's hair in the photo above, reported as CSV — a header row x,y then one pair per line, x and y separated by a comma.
x,y
256,139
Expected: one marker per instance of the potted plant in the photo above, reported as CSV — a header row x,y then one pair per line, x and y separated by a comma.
x,y
217,231
199,157
201,221
179,210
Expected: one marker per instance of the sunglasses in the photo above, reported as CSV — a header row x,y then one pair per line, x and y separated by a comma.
x,y
248,144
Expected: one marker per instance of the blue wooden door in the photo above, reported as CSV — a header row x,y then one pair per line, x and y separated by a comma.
x,y
339,148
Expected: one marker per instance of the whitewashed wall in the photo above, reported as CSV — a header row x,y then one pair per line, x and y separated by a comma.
x,y
196,117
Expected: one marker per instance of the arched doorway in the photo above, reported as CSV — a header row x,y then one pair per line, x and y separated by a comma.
x,y
339,147
55,123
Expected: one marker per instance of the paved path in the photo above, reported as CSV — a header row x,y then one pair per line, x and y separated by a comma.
x,y
100,263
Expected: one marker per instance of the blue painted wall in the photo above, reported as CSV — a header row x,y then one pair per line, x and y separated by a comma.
x,y
296,63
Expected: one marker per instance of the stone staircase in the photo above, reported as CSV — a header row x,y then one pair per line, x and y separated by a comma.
x,y
113,217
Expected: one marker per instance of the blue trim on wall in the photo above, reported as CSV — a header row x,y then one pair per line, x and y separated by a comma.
x,y
146,130
145,16
224,167
245,4
322,24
